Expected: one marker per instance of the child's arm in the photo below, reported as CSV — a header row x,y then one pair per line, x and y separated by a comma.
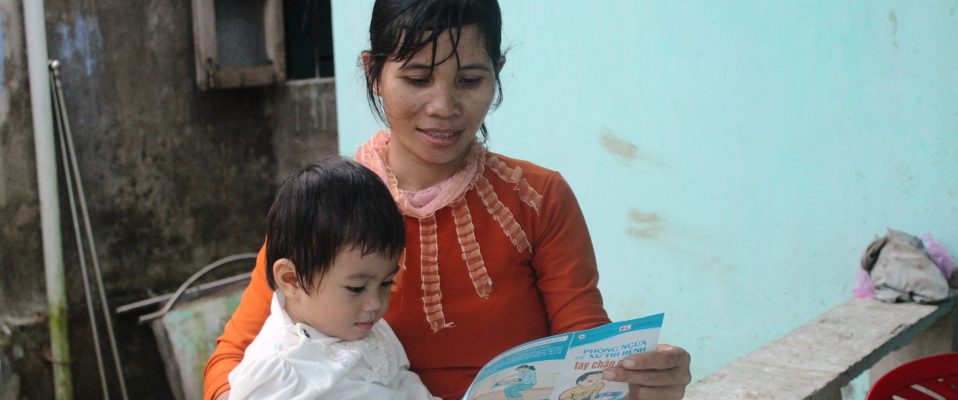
x,y
273,378
239,331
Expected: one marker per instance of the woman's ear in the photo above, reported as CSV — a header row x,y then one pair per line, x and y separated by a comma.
x,y
367,60
502,63
284,274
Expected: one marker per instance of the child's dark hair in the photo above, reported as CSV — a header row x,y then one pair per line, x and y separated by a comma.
x,y
586,375
326,208
401,28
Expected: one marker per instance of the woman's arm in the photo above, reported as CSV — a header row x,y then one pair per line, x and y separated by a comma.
x,y
568,279
567,276
239,331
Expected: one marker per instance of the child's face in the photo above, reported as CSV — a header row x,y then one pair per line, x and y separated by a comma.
x,y
351,297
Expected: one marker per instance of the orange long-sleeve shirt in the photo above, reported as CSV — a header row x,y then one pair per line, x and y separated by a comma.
x,y
547,288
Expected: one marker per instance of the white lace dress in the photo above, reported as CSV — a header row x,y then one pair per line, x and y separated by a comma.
x,y
294,361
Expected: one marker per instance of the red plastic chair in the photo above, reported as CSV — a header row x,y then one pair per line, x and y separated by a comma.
x,y
929,378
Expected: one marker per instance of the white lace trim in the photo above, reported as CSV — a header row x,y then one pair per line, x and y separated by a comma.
x,y
371,358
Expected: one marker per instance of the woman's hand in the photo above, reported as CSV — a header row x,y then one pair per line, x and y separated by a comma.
x,y
223,396
662,374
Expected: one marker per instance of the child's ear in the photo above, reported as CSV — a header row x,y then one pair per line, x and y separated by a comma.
x,y
284,274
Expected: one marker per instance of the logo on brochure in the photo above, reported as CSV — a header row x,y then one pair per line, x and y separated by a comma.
x,y
625,327
581,337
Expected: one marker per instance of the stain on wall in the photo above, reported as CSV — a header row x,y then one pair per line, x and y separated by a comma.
x,y
3,104
644,225
309,121
3,59
893,18
80,41
624,150
21,293
11,55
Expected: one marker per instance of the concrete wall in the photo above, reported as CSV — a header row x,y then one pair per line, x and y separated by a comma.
x,y
733,158
175,178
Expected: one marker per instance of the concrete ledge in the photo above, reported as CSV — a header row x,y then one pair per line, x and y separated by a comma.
x,y
815,360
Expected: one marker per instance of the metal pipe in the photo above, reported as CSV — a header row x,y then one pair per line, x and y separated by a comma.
x,y
61,124
193,278
74,175
190,293
36,38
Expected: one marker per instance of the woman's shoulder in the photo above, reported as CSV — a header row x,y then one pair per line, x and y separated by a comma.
x,y
513,169
523,182
526,165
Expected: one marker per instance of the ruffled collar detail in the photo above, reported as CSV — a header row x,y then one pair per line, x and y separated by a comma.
x,y
451,193
423,203
372,358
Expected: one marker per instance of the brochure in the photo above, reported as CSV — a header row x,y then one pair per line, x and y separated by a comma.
x,y
566,366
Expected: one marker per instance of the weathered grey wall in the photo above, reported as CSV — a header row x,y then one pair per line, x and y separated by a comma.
x,y
174,177
305,117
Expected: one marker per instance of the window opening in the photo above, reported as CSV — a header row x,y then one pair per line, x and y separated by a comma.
x,y
309,38
240,37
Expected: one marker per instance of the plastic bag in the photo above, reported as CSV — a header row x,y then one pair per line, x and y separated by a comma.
x,y
899,270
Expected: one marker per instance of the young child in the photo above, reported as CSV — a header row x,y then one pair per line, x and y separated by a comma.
x,y
334,238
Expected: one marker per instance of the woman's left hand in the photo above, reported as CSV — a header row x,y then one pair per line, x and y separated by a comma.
x,y
662,374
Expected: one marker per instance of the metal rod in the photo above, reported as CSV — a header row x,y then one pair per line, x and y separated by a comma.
x,y
189,281
45,147
189,293
87,226
58,117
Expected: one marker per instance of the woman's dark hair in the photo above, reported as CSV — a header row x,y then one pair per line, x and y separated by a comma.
x,y
326,208
401,28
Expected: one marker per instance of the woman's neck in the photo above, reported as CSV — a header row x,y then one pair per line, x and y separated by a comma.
x,y
413,174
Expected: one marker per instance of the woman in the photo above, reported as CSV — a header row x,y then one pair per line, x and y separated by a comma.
x,y
497,250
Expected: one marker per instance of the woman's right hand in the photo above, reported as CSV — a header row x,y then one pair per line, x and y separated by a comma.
x,y
223,396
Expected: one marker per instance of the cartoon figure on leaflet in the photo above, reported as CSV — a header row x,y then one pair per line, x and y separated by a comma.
x,y
586,387
524,378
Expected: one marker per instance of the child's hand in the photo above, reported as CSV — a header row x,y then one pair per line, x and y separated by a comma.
x,y
662,374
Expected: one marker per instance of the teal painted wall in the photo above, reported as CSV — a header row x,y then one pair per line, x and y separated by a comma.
x,y
732,158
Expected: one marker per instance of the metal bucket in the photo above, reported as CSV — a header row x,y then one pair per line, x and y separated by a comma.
x,y
187,326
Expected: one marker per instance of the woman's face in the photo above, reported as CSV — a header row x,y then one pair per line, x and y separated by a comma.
x,y
434,117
